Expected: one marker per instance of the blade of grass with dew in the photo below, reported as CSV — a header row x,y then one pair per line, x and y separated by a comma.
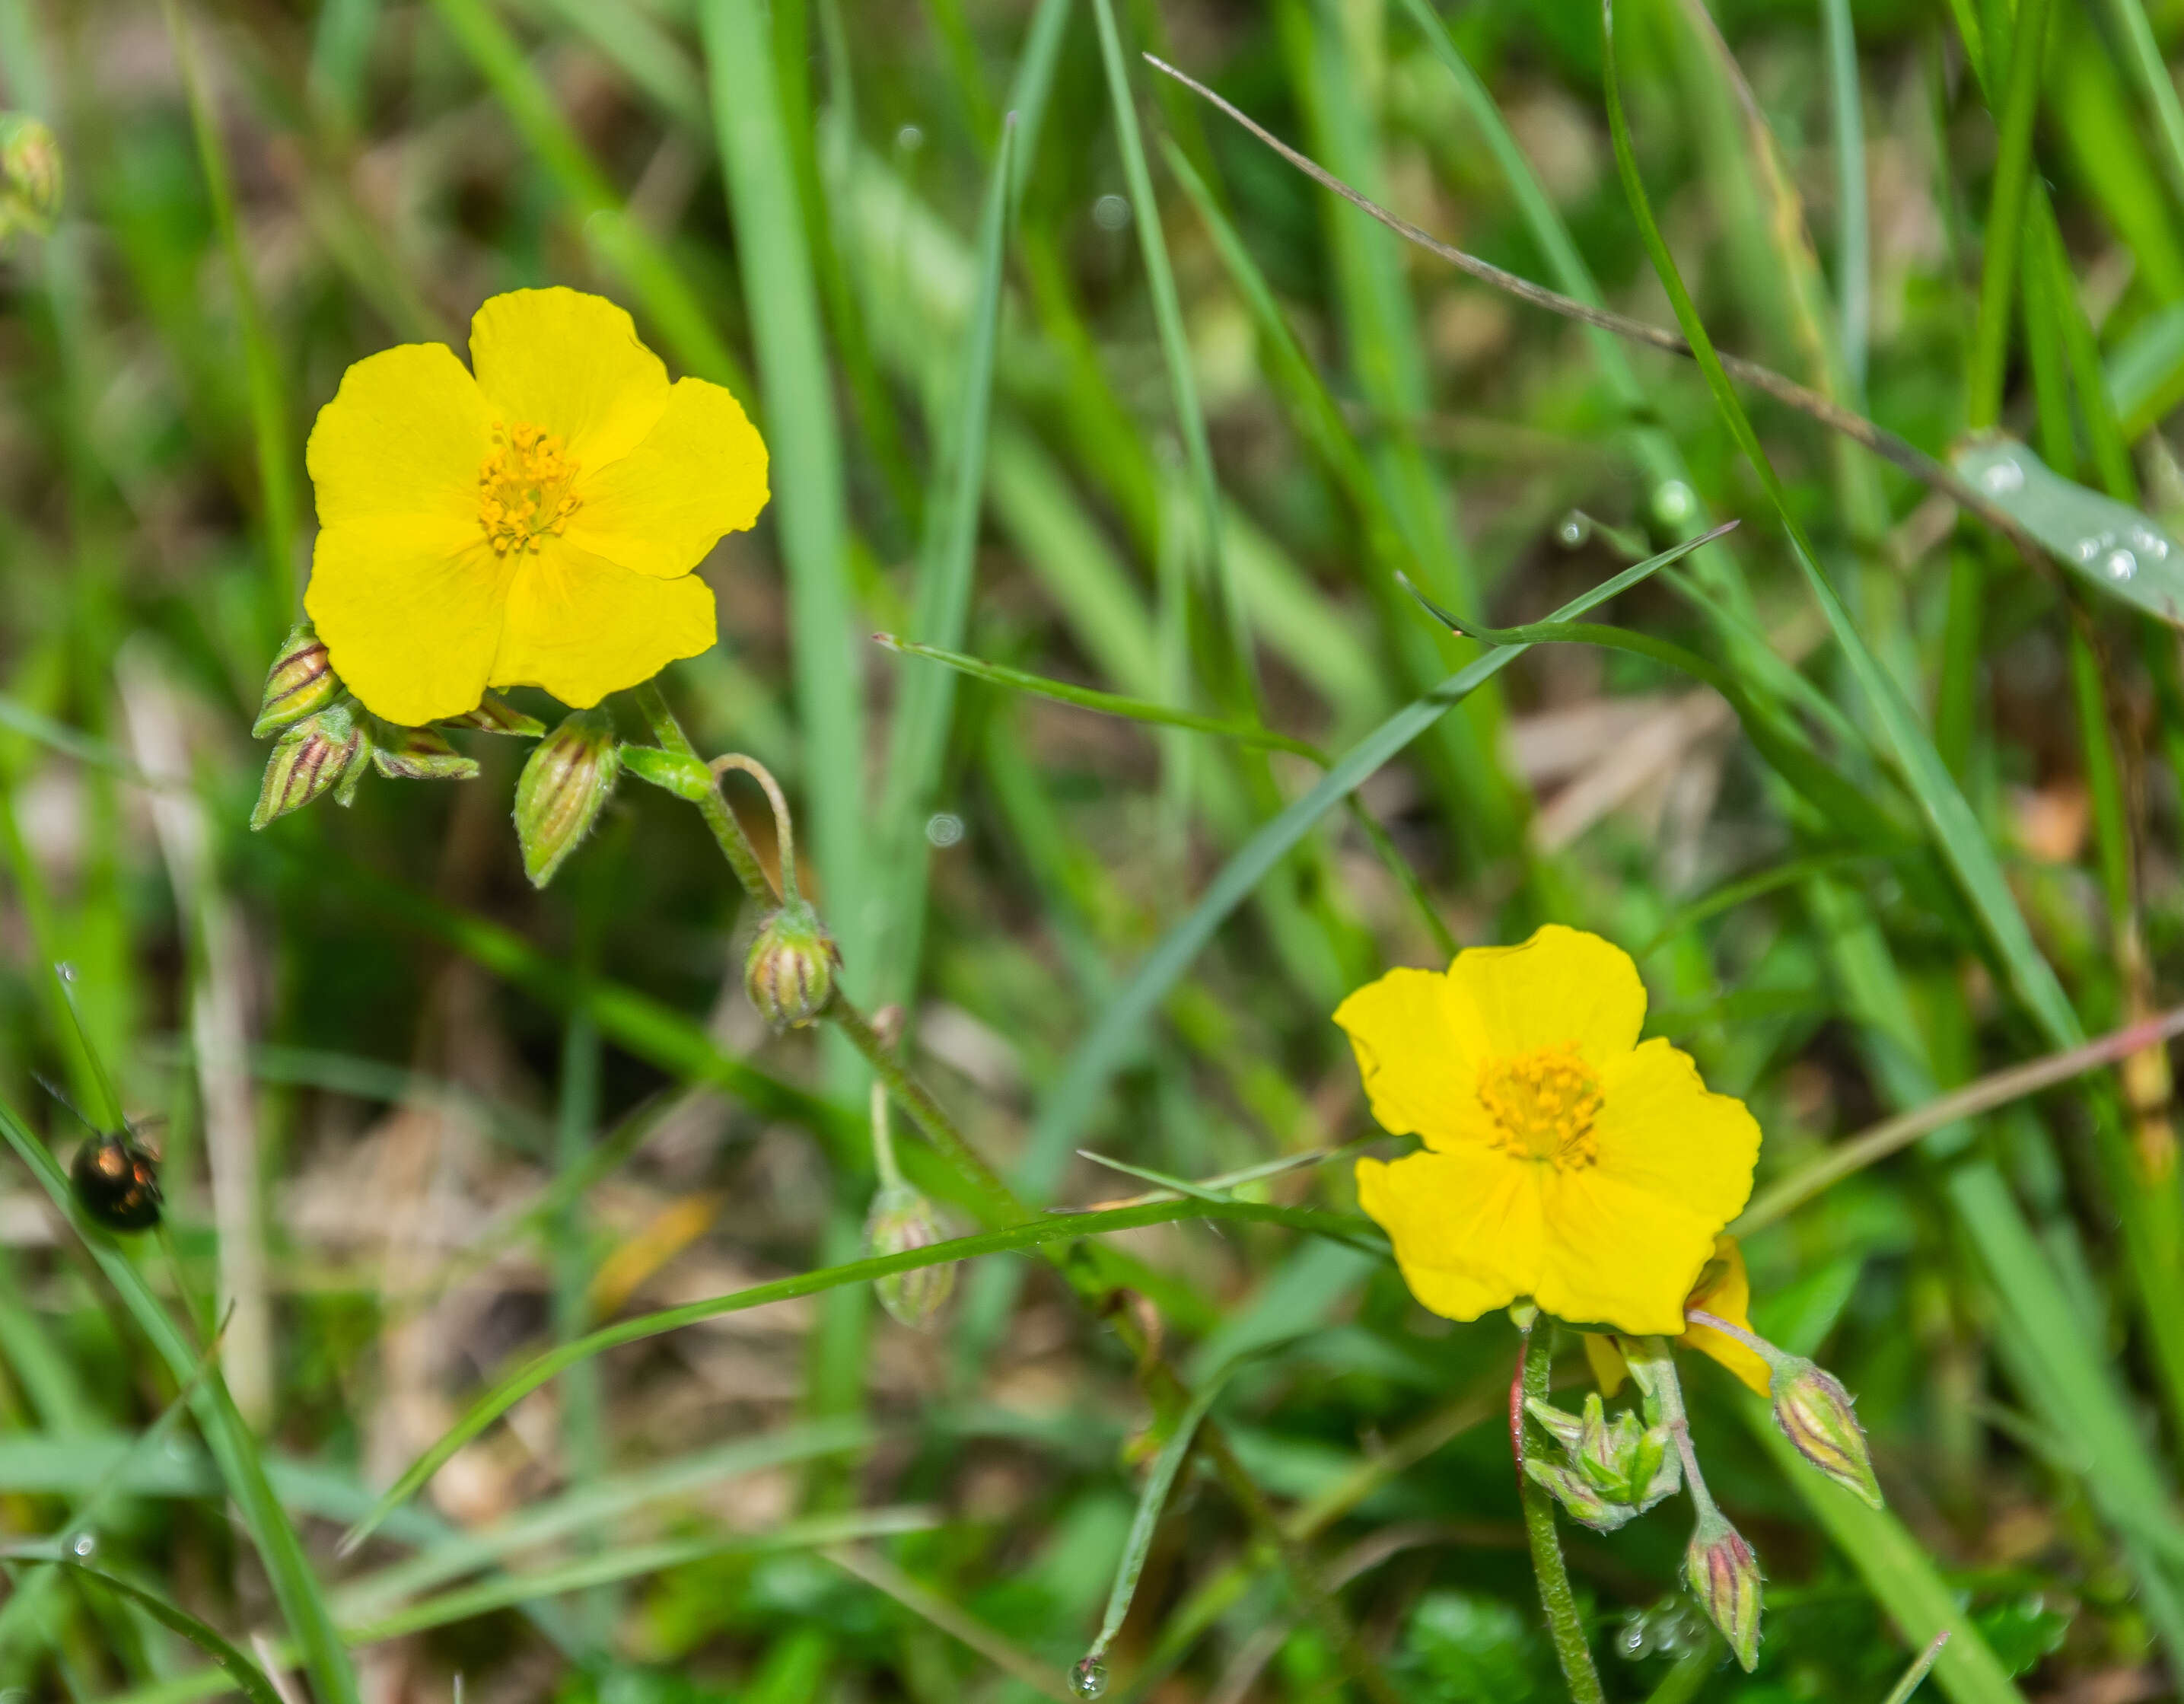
x,y
664,295
926,705
247,1677
1075,1101
295,1585
1029,1234
806,449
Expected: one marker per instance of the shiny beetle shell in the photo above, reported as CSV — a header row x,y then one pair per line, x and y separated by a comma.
x,y
117,1182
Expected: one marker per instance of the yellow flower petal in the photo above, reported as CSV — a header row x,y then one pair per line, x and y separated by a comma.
x,y
1724,1290
699,474
1616,1255
582,626
1564,985
411,612
403,436
569,364
1412,1031
1662,1131
1466,1227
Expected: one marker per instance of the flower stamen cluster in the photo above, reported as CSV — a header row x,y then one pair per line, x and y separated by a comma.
x,y
1543,1104
525,488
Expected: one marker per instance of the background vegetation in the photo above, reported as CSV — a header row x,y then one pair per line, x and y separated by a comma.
x,y
1138,407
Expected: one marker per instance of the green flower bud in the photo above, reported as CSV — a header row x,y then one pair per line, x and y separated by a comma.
x,y
1625,1460
495,715
563,788
301,682
322,751
417,754
789,973
1724,1576
1580,1499
30,175
1814,1413
900,1220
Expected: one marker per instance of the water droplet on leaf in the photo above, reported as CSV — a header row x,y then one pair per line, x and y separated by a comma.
x,y
910,138
1675,502
84,1544
1089,1679
1575,529
2121,565
1111,212
2004,477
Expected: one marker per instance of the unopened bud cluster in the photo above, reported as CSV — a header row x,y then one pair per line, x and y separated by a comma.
x,y
1611,1470
325,741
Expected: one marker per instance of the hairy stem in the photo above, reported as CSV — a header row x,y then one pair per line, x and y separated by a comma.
x,y
1564,1622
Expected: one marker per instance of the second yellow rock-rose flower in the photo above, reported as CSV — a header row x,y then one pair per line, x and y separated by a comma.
x,y
1565,1162
536,524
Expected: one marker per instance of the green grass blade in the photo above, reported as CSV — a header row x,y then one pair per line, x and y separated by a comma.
x,y
805,445
248,1677
2005,219
1107,704
2150,71
918,741
1070,1105
1240,688
277,486
1152,1500
664,296
1853,233
295,1585
2110,547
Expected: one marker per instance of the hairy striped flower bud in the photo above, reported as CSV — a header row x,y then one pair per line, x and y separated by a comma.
x,y
301,682
1724,1576
30,175
563,788
789,973
902,1220
1581,1500
1815,1413
327,750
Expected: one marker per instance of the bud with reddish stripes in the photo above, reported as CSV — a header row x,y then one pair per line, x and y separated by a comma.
x,y
1724,1578
789,974
322,752
1814,1413
563,788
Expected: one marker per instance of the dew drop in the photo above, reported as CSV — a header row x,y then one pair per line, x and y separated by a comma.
x,y
910,138
2087,548
1111,212
1631,1640
1089,1679
65,971
1575,529
944,829
1675,502
2004,477
2147,544
2121,564
84,1544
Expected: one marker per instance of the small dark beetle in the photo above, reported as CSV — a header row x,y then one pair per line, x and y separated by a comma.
x,y
117,1182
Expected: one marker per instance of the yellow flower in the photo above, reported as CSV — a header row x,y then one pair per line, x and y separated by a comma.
x,y
536,524
1724,1290
1564,1161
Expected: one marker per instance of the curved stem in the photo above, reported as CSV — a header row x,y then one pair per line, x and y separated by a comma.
x,y
1563,1621
784,828
735,846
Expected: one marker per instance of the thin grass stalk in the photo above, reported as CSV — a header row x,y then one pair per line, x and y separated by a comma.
x,y
2005,220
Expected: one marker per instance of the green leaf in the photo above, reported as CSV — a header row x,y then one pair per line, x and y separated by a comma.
x,y
2110,546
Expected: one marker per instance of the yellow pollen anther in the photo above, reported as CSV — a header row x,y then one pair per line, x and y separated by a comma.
x,y
1543,1104
525,488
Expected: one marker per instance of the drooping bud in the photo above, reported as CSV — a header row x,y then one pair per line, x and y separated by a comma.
x,y
1580,1499
562,790
900,1220
789,973
1815,1413
301,682
1724,1576
322,751
495,715
30,175
417,754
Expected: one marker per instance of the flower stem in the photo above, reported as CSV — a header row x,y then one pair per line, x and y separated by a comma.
x,y
995,1202
1564,1622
